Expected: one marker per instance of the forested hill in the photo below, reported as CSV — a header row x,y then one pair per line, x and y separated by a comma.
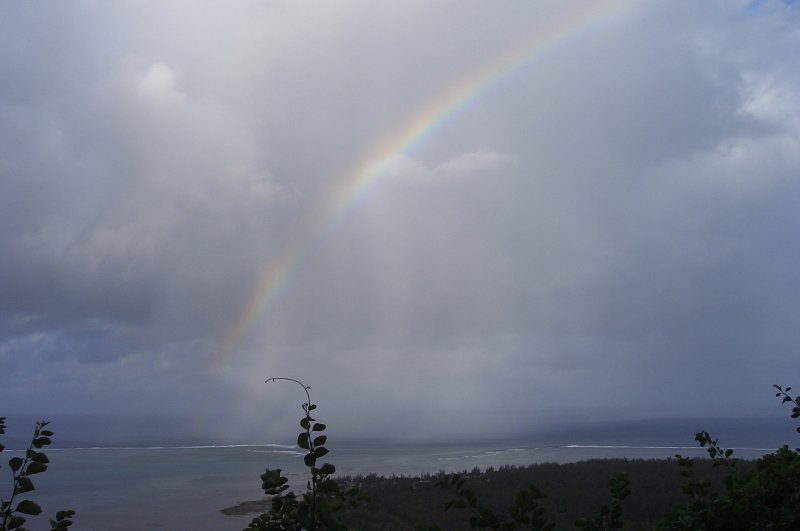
x,y
574,490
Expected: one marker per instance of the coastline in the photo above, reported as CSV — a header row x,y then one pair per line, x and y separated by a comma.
x,y
247,507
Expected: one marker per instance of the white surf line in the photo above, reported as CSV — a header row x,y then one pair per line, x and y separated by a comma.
x,y
623,447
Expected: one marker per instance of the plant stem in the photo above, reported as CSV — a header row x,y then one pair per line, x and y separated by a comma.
x,y
311,447
19,474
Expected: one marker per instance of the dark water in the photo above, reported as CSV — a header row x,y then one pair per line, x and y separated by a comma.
x,y
180,488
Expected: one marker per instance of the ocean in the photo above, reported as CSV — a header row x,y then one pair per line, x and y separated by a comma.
x,y
185,487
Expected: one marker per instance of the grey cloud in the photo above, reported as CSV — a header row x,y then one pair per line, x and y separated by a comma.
x,y
615,213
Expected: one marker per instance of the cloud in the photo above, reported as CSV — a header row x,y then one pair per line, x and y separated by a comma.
x,y
485,160
614,219
771,101
158,82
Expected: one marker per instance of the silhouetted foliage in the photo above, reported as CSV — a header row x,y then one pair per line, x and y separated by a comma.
x,y
573,491
22,468
766,496
317,508
723,493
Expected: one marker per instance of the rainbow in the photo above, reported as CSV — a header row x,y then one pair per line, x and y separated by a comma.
x,y
355,184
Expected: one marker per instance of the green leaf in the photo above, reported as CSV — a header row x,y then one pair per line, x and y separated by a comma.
x,y
41,441
15,463
24,485
38,457
273,477
15,522
309,460
327,469
305,423
28,507
302,441
319,452
35,468
319,441
47,433
319,427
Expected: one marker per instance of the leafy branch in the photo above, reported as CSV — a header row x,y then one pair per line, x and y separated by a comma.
x,y
316,508
766,497
34,462
795,401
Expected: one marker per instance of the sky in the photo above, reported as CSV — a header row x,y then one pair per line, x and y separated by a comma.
x,y
449,218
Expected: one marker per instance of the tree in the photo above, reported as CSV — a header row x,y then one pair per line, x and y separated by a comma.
x,y
765,497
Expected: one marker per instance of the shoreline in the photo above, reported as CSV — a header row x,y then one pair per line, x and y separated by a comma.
x,y
248,507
